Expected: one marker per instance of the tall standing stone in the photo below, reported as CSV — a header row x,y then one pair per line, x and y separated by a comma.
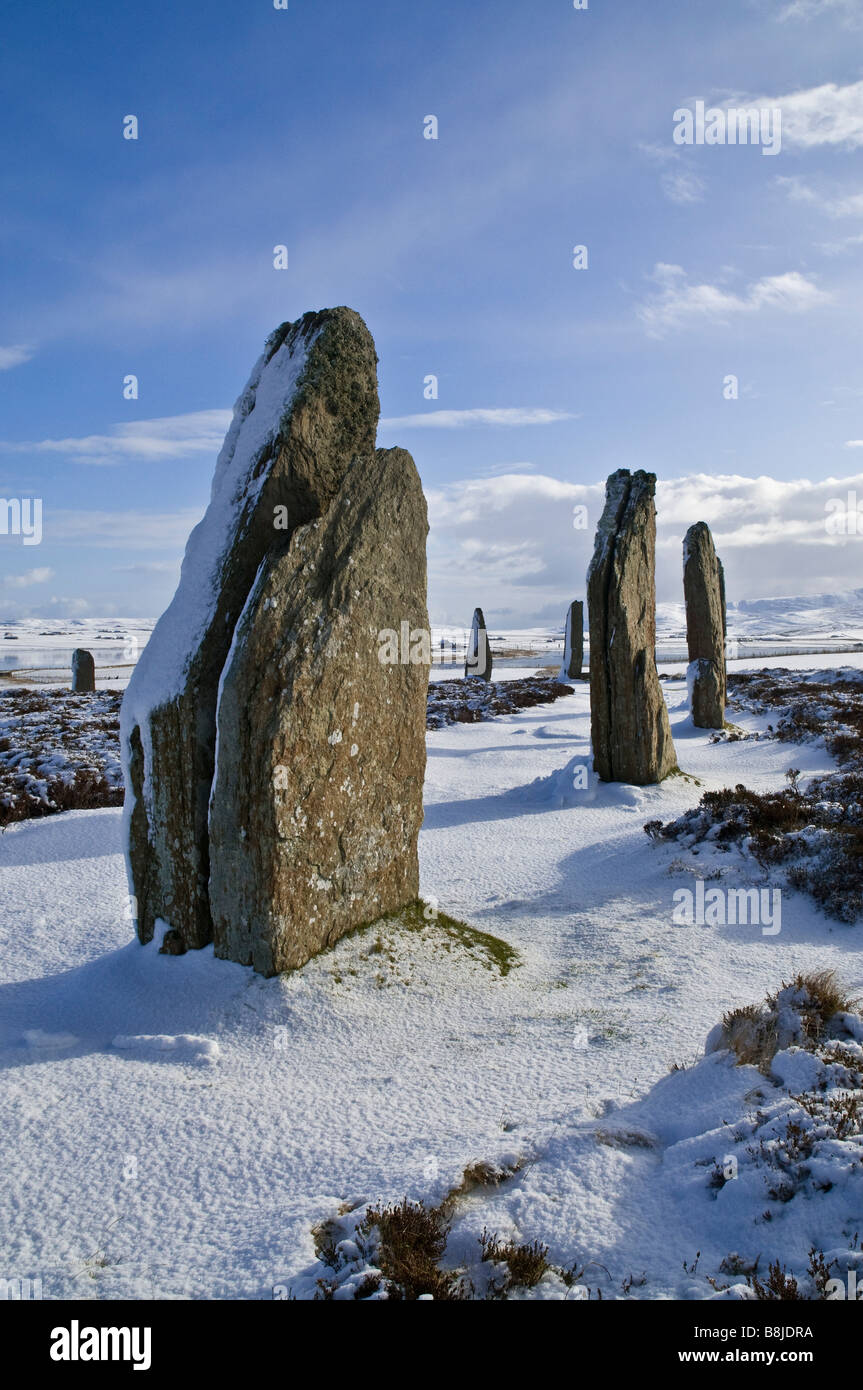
x,y
478,661
573,642
83,672
704,590
629,718
317,799
309,410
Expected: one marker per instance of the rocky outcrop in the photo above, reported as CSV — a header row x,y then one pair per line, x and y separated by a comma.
x,y
308,412
317,798
704,590
478,661
629,718
573,643
83,672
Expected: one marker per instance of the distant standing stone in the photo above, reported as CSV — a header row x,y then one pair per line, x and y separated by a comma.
x,y
83,672
478,661
629,718
573,647
704,590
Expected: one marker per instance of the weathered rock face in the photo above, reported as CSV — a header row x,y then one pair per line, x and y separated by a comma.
x,y
83,671
704,590
317,799
706,693
573,643
309,410
478,661
629,718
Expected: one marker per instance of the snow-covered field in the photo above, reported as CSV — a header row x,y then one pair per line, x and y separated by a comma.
x,y
178,1127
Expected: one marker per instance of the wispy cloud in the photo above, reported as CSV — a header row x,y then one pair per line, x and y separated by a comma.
x,y
15,356
832,206
172,437
148,567
29,577
679,184
459,419
123,530
678,300
847,10
682,186
202,432
848,205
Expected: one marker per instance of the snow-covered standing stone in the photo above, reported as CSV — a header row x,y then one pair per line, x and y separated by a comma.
x,y
309,410
704,590
630,729
83,672
317,798
573,645
478,660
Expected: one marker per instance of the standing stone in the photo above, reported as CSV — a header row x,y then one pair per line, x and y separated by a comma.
x,y
629,718
573,645
83,672
704,590
317,799
478,660
309,410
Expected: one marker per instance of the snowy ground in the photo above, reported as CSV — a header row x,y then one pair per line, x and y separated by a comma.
x,y
178,1126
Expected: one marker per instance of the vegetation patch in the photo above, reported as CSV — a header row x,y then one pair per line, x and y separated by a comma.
x,y
398,1250
474,701
813,835
807,706
803,1142
58,752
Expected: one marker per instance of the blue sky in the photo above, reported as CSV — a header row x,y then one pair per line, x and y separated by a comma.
x,y
259,127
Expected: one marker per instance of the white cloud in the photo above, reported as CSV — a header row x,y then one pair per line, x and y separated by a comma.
x,y
149,441
70,606
854,443
458,419
509,544
678,300
24,581
825,115
14,356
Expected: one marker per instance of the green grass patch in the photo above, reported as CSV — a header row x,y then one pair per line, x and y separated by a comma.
x,y
489,951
